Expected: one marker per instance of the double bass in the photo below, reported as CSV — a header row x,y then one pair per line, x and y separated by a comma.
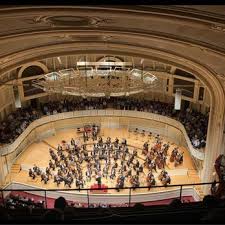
x,y
178,159
173,154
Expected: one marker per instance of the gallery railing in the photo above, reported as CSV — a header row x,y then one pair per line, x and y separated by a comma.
x,y
180,193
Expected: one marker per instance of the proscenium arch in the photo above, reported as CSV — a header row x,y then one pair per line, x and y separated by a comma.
x,y
207,77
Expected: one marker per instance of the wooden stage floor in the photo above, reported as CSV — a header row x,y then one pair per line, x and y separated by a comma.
x,y
38,153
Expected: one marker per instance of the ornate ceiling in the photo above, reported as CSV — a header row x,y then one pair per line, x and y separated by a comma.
x,y
195,33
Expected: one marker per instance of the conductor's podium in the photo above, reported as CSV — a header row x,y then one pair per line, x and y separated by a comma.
x,y
98,191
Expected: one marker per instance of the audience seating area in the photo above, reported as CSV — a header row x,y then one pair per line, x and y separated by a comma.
x,y
194,122
209,210
16,201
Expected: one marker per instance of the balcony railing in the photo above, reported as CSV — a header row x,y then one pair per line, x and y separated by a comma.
x,y
87,191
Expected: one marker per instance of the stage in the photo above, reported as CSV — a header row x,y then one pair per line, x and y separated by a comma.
x,y
38,153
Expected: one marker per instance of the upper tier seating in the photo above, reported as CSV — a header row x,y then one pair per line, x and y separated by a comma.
x,y
194,122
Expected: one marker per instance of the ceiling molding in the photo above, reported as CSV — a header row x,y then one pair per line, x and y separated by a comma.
x,y
199,16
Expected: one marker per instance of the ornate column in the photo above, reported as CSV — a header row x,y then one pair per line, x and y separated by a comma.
x,y
214,145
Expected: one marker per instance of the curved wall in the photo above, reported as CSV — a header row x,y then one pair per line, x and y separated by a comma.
x,y
48,125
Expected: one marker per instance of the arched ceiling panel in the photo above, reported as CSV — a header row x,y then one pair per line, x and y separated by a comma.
x,y
190,32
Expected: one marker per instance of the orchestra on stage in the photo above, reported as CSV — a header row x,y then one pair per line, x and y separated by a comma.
x,y
114,160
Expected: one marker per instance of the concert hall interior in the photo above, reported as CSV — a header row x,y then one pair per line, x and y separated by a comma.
x,y
114,107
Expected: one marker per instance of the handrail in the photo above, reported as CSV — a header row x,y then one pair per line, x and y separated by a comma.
x,y
129,195
113,188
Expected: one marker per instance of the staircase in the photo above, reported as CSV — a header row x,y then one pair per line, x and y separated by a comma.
x,y
200,192
15,168
194,177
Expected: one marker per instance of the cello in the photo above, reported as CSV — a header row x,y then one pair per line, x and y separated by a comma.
x,y
150,180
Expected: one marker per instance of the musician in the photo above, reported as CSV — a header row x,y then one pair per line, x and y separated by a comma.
x,y
44,178
51,152
153,165
57,180
85,136
68,181
120,182
67,147
141,169
38,171
116,155
76,150
134,153
157,138
124,168
115,165
124,142
80,159
137,164
94,134
178,159
159,161
48,173
137,171
72,142
108,141
80,182
62,157
57,163
162,174
51,164
165,148
166,179
31,174
35,168
150,135
116,142
135,182
100,141
145,148
128,162
131,158
88,175
59,148
163,161
60,173
99,179
173,154
129,173
113,173
150,180
66,162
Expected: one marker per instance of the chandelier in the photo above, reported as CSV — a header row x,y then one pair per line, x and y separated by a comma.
x,y
98,79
